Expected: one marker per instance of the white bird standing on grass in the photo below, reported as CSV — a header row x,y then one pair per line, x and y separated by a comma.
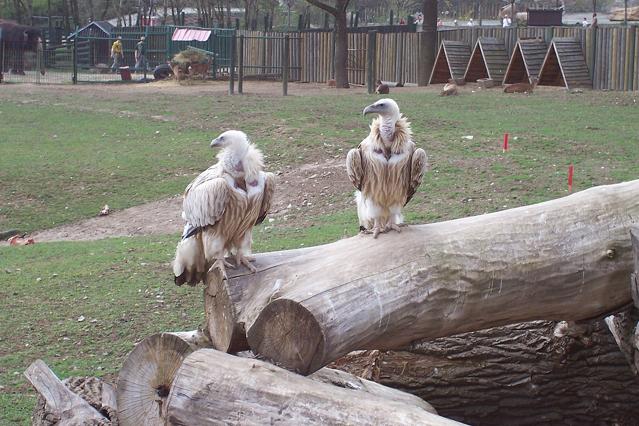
x,y
220,208
386,168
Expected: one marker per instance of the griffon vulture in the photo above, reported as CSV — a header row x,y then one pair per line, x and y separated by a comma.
x,y
386,168
220,208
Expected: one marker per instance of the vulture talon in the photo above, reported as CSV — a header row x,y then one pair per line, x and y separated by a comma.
x,y
393,227
219,264
245,260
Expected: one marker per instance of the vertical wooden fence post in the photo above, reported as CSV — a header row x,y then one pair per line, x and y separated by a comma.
x,y
371,61
240,67
286,58
232,66
75,60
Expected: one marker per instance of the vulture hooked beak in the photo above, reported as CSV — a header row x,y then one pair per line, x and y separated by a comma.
x,y
216,143
370,109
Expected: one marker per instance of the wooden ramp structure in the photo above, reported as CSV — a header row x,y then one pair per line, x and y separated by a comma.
x,y
451,61
526,61
565,65
489,60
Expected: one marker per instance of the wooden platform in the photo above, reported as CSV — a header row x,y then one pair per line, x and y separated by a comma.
x,y
564,65
488,60
526,61
452,59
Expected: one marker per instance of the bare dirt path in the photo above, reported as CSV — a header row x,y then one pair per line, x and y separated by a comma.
x,y
302,192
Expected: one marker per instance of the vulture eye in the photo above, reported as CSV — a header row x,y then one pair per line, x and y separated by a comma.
x,y
382,104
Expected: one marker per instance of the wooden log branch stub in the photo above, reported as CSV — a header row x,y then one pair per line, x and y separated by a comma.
x,y
63,406
212,386
565,259
148,371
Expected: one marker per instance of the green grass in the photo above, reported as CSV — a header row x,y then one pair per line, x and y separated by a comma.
x,y
106,150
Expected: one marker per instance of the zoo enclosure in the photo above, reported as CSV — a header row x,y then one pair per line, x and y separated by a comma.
x,y
611,52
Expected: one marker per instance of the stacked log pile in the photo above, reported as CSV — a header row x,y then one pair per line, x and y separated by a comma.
x,y
490,277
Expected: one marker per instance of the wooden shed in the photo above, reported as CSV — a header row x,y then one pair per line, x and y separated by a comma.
x,y
565,65
451,61
526,60
489,60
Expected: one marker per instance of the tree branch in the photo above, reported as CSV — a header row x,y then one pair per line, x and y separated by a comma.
x,y
332,10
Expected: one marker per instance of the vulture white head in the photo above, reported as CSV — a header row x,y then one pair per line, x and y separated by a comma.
x,y
387,109
238,156
234,140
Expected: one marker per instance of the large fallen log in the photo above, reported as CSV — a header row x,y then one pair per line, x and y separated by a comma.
x,y
212,387
148,372
523,374
566,259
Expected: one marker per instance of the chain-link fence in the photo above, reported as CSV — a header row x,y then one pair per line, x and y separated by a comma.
x,y
87,57
44,64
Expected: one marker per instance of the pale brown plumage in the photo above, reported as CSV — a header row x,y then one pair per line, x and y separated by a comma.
x,y
220,208
450,88
386,170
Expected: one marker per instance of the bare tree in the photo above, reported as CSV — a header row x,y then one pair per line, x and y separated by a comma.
x,y
341,38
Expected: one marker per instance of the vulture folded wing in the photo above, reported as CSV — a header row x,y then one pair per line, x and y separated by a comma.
x,y
269,189
418,165
204,203
354,167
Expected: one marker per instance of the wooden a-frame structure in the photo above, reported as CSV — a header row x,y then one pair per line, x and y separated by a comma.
x,y
452,59
564,65
526,61
488,60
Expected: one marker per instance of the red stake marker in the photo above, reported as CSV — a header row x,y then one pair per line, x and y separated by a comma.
x,y
505,142
571,171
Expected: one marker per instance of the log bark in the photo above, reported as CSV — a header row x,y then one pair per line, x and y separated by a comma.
x,y
566,259
62,406
634,278
514,375
148,372
212,387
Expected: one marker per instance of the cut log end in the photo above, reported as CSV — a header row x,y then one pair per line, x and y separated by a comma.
x,y
286,332
145,379
226,333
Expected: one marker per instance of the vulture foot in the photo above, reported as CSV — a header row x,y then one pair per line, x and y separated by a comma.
x,y
394,227
245,260
221,265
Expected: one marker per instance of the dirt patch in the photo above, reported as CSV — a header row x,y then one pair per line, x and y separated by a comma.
x,y
302,193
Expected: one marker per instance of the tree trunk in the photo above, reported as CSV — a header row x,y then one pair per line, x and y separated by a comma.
x,y
148,372
341,50
428,42
566,259
522,374
233,390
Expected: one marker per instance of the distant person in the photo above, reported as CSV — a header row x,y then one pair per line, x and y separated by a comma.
x,y
471,22
402,21
506,22
440,23
116,54
455,22
585,22
140,55
594,23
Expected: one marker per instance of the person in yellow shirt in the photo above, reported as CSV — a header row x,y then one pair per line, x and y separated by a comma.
x,y
116,54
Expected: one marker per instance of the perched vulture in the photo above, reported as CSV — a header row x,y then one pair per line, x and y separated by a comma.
x,y
220,208
382,88
386,168
449,89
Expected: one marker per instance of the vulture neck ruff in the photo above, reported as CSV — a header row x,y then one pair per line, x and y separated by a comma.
x,y
392,134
